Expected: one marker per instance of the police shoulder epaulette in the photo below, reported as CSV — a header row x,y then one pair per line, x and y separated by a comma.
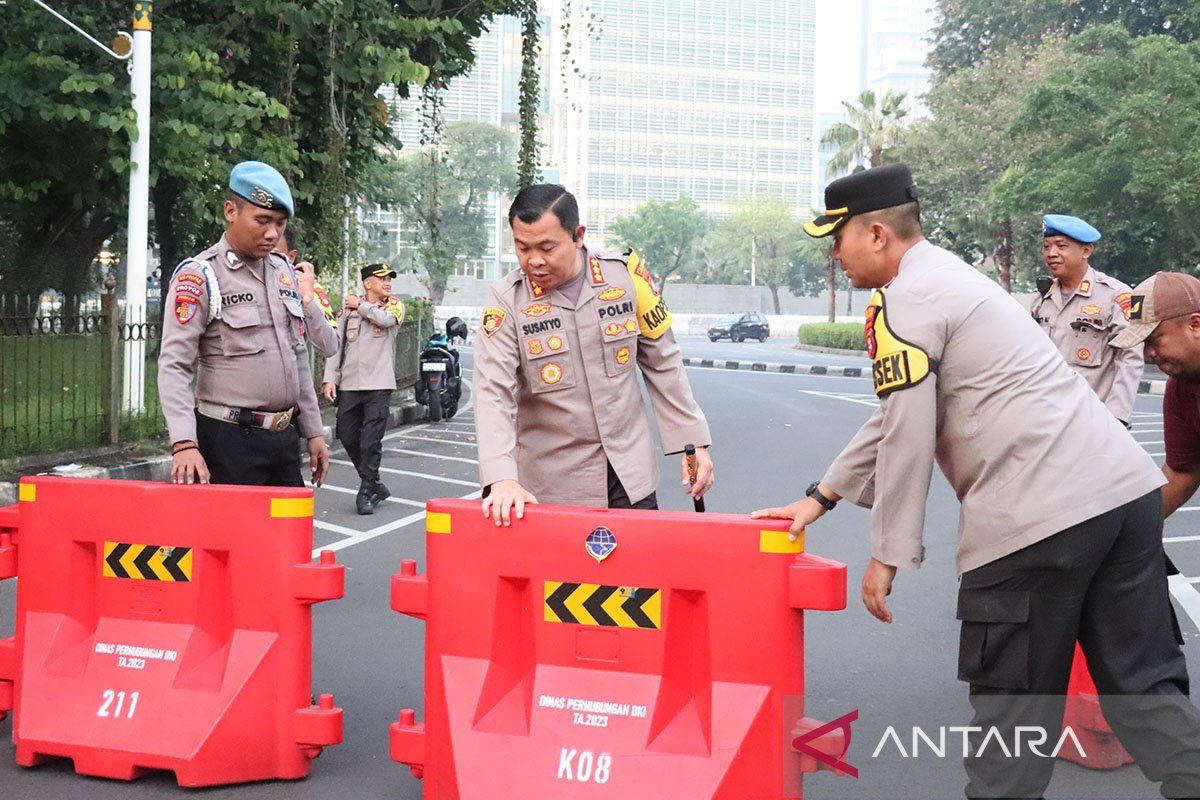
x,y
211,284
897,363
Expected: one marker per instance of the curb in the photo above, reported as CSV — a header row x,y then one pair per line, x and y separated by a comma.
x,y
835,351
158,468
1144,387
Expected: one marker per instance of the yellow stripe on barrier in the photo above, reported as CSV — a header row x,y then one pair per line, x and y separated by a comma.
x,y
27,493
291,507
437,522
778,542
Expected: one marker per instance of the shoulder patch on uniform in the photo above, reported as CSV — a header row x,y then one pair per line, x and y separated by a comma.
x,y
1123,300
395,307
326,308
492,320
596,271
654,318
897,364
1085,287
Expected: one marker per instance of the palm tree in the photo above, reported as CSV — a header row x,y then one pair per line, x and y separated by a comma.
x,y
873,126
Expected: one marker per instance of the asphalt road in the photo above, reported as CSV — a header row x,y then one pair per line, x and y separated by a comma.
x,y
774,434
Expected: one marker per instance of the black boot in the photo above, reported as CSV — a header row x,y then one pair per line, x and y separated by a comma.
x,y
363,501
379,492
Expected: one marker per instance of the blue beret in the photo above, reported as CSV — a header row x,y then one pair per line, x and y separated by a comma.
x,y
261,185
1074,227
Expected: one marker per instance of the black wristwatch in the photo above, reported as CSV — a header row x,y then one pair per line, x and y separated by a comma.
x,y
815,493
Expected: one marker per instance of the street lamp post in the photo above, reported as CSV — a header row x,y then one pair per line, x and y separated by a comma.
x,y
134,384
137,46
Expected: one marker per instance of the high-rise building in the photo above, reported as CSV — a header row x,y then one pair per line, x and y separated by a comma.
x,y
825,154
487,93
895,43
712,99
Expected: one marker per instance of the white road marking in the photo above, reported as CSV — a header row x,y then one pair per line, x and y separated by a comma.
x,y
1184,592
849,398
424,475
1145,443
430,455
776,374
387,527
329,526
1173,539
398,500
453,442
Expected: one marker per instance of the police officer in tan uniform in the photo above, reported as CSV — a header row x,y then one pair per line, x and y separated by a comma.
x,y
965,378
324,338
558,409
236,322
362,376
1083,310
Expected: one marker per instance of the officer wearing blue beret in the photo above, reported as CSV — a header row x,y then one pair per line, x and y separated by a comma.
x,y
237,322
1082,310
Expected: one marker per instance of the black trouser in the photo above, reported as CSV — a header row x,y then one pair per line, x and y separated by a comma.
x,y
249,456
1104,583
361,420
617,498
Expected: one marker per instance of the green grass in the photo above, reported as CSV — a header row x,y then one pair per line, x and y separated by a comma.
x,y
53,395
836,335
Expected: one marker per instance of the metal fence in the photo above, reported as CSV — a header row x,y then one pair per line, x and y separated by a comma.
x,y
63,379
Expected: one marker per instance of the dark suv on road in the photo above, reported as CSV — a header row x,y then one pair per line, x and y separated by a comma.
x,y
739,327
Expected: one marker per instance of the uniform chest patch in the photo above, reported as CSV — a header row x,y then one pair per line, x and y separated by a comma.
x,y
1091,309
284,279
551,373
236,298
611,294
536,310
623,355
532,328
622,310
555,343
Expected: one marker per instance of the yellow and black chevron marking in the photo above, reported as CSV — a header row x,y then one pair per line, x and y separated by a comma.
x,y
605,606
147,562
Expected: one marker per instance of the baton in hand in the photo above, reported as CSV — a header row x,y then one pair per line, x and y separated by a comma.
x,y
689,450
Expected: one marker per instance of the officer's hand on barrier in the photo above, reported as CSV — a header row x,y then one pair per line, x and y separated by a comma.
x,y
187,465
503,497
306,280
877,585
704,473
329,389
802,513
318,453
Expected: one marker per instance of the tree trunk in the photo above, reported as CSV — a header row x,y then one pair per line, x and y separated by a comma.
x,y
1004,254
831,287
849,299
775,297
166,192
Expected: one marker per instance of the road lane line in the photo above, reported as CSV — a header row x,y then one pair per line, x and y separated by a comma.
x,y
425,475
332,528
430,455
835,396
387,527
399,500
453,442
1184,592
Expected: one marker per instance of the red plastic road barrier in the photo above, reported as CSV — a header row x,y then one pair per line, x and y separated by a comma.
x,y
164,627
1101,749
589,652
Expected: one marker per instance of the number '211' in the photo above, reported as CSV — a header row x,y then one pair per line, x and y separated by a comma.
x,y
106,709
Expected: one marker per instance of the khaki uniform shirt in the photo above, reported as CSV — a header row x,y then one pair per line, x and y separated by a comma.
x,y
556,392
1081,329
370,341
251,356
966,378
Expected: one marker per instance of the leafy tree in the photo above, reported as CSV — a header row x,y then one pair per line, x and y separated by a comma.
x,y
291,83
666,234
440,192
763,234
872,127
968,29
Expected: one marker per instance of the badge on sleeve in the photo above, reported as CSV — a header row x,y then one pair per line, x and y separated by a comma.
x,y
185,308
654,319
897,363
492,321
395,307
1123,300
